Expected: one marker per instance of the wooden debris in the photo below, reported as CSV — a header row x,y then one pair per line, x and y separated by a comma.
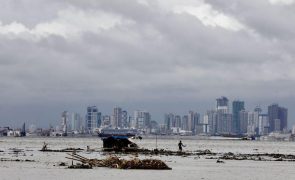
x,y
80,166
17,160
45,149
115,162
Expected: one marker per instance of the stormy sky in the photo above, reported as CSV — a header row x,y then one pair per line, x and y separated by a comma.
x,y
158,55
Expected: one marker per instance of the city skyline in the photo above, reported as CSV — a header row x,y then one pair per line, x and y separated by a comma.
x,y
163,56
141,119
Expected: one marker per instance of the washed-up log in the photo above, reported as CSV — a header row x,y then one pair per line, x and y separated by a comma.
x,y
115,162
80,166
63,150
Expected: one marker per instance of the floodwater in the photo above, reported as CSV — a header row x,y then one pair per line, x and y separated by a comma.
x,y
46,166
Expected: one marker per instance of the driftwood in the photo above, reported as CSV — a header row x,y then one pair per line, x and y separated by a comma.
x,y
17,160
45,149
63,150
115,162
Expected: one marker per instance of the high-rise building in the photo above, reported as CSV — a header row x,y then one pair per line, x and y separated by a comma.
x,y
222,104
169,119
106,120
117,118
64,122
93,119
237,107
212,121
253,123
177,122
257,112
243,117
224,123
193,121
223,117
184,123
125,119
277,117
142,119
76,122
263,124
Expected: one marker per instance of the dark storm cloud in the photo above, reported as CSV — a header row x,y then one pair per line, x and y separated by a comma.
x,y
73,53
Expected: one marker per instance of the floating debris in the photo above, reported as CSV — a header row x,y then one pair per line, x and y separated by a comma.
x,y
258,157
45,149
80,166
17,160
62,164
115,162
219,161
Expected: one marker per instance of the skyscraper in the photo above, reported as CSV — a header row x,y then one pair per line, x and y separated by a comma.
x,y
64,122
93,119
106,120
169,119
237,107
263,124
177,122
76,122
224,123
117,118
277,117
184,123
125,120
223,118
243,118
222,104
212,121
142,119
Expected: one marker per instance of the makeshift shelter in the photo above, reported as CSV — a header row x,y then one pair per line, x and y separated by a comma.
x,y
118,143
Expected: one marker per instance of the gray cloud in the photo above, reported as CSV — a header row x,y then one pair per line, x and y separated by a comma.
x,y
68,54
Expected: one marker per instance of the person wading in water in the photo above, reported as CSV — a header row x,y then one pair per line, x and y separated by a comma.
x,y
180,145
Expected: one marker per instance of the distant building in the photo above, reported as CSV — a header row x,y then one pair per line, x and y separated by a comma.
x,y
177,121
76,122
142,119
253,123
106,120
263,124
117,118
237,107
222,104
277,118
193,121
125,119
93,119
184,122
243,118
224,122
211,117
169,119
64,122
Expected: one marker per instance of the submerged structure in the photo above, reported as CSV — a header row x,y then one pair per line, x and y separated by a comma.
x,y
118,139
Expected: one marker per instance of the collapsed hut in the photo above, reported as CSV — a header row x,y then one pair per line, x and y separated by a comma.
x,y
118,143
118,139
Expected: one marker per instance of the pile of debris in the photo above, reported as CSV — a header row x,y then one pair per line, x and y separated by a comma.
x,y
115,162
256,157
17,160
